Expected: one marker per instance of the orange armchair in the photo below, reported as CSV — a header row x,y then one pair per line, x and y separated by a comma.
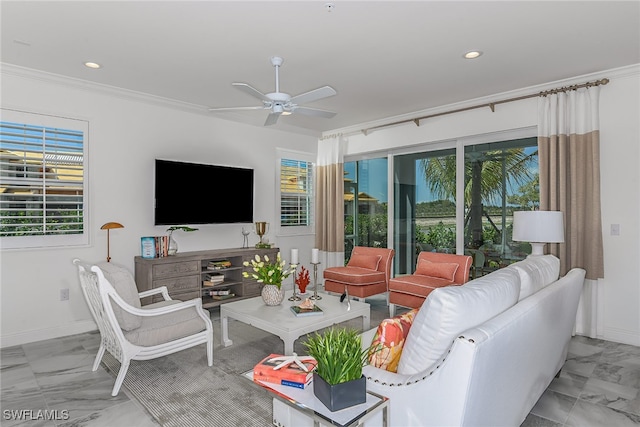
x,y
367,273
433,270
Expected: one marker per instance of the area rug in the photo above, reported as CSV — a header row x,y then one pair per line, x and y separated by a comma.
x,y
181,390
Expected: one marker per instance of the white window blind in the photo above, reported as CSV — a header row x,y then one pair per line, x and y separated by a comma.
x,y
296,193
42,191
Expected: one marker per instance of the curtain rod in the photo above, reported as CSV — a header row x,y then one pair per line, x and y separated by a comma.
x,y
492,105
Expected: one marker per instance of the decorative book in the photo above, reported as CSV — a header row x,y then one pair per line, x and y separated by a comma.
x,y
306,308
222,297
285,370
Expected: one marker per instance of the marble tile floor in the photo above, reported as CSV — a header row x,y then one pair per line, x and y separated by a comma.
x,y
599,386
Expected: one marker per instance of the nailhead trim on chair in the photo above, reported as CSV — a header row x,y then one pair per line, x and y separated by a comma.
x,y
418,380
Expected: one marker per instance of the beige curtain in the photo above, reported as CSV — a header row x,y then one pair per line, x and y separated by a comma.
x,y
329,217
569,159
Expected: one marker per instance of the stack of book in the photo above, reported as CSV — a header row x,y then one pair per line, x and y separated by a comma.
x,y
155,246
218,265
290,374
213,279
220,295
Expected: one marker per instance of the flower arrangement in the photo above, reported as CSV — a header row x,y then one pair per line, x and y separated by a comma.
x,y
266,272
302,280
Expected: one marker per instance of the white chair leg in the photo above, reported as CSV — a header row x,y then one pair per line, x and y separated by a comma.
x,y
210,351
96,362
392,310
120,378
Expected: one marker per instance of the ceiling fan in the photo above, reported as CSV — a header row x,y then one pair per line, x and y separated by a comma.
x,y
280,103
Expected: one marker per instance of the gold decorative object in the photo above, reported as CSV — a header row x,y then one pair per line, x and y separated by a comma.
x,y
262,228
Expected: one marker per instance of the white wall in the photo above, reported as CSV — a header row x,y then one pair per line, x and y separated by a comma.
x,y
618,307
126,134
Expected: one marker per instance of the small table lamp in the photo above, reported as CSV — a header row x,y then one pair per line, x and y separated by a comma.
x,y
108,226
538,228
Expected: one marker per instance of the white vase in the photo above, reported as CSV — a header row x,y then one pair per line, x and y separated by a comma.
x,y
173,245
272,294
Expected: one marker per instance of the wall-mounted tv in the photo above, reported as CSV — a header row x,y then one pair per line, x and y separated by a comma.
x,y
195,193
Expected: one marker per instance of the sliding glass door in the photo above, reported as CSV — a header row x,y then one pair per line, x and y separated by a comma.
x,y
365,204
498,178
424,206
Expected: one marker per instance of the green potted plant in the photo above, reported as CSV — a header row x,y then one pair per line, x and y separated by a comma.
x,y
338,381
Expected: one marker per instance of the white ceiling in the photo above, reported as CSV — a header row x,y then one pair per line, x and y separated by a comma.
x,y
384,58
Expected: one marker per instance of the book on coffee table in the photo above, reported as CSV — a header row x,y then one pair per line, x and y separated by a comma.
x,y
280,369
313,311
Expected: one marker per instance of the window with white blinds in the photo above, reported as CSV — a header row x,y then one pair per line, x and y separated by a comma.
x,y
296,192
42,180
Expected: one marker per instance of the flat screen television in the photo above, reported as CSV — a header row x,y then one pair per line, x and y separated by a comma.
x,y
195,193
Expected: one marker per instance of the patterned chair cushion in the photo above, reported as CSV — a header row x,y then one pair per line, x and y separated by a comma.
x,y
387,343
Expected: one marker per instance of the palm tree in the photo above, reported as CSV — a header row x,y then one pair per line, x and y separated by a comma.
x,y
487,176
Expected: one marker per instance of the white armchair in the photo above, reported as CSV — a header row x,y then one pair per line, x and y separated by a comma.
x,y
130,331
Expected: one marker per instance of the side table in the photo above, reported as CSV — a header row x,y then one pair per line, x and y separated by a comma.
x,y
294,407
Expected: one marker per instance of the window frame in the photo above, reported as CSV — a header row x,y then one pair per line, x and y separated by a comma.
x,y
295,230
53,240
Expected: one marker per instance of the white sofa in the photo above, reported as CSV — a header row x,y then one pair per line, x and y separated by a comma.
x,y
482,354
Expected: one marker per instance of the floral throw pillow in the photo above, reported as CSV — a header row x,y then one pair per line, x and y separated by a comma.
x,y
386,347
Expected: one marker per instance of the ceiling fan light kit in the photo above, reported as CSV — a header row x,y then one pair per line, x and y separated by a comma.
x,y
280,103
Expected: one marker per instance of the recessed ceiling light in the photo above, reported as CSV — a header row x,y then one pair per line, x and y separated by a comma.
x,y
472,54
92,65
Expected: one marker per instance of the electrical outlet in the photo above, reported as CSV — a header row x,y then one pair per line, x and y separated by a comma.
x,y
64,294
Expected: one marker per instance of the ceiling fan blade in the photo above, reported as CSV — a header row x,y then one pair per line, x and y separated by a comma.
x,y
313,95
250,90
237,108
314,112
272,118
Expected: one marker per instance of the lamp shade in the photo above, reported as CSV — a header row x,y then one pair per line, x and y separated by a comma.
x,y
537,228
111,225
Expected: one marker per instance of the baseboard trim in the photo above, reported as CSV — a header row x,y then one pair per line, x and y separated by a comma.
x,y
20,338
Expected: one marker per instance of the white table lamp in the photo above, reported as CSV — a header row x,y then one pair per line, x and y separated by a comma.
x,y
538,228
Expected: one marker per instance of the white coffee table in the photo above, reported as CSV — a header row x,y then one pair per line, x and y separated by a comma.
x,y
279,320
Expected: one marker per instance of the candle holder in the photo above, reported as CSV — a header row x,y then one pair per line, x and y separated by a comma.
x,y
315,295
295,296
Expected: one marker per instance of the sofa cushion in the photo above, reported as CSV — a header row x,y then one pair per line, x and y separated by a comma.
x,y
124,284
370,262
387,343
536,272
354,275
442,270
449,311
